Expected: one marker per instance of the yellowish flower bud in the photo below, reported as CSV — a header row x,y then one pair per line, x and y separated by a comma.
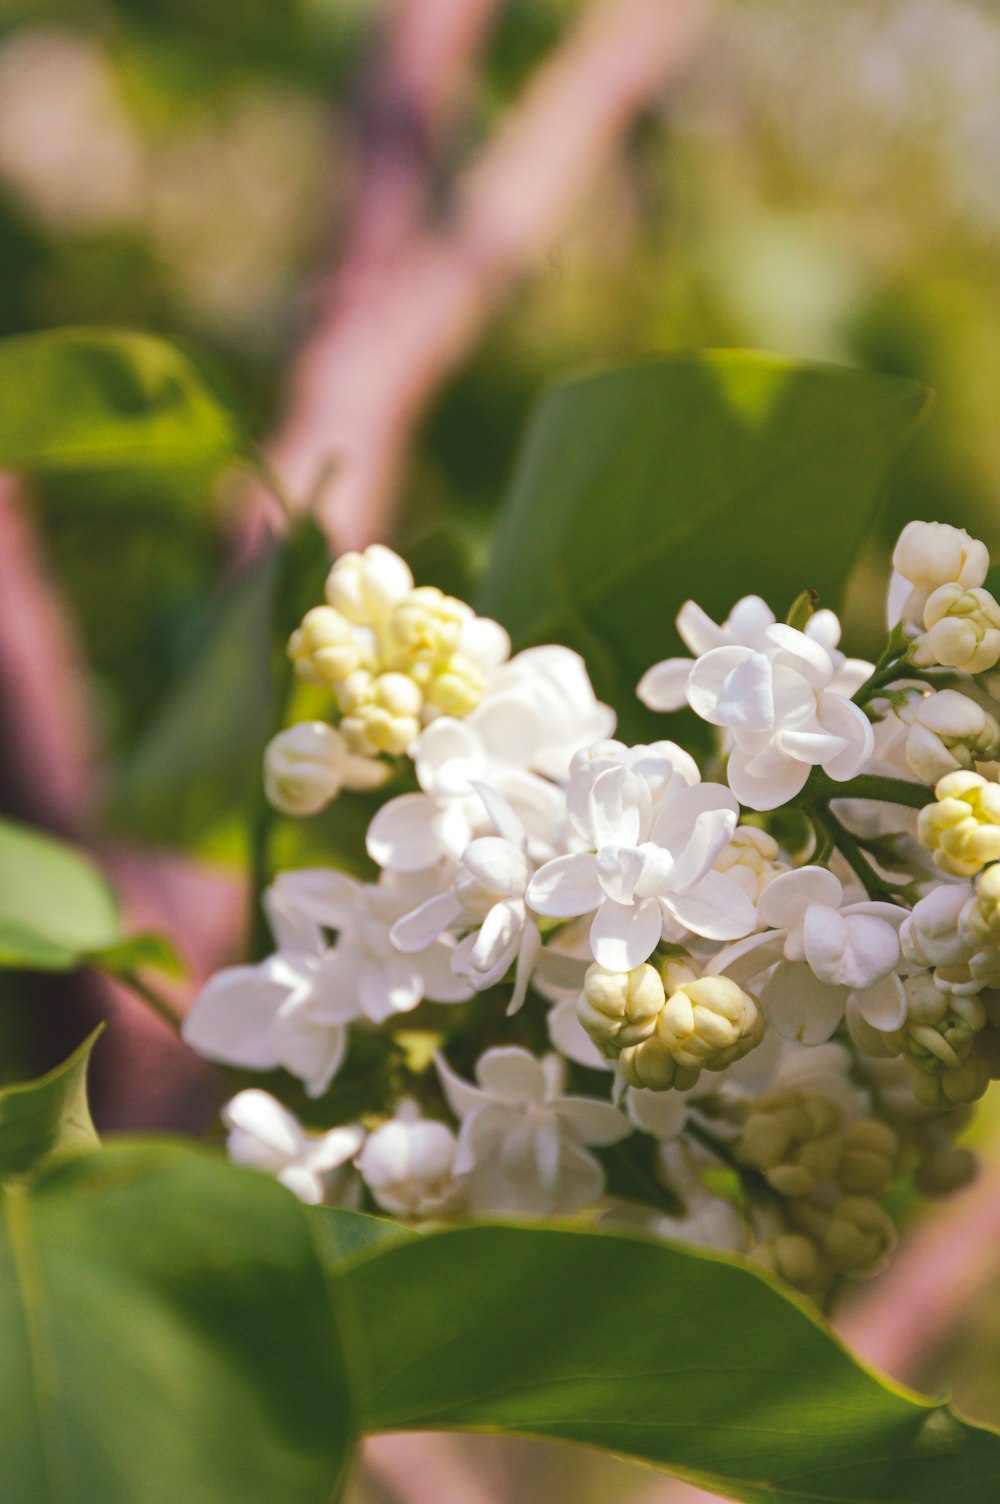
x,y
423,630
364,587
457,687
308,764
952,1086
980,919
385,715
797,1260
620,1008
868,1161
706,1023
326,647
751,859
859,1236
962,629
794,1138
963,828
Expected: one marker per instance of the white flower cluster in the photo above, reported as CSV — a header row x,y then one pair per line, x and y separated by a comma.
x,y
583,969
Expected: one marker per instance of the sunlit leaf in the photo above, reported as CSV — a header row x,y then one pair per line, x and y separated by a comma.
x,y
685,1360
55,906
42,1119
80,399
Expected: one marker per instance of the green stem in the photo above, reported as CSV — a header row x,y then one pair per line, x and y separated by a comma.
x,y
871,786
162,1006
876,887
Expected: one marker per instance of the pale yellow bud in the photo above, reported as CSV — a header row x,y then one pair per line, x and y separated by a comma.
x,y
364,587
385,717
326,647
868,1161
456,688
963,828
423,629
794,1138
751,859
980,919
706,1023
952,1086
797,1260
619,1008
859,1236
962,629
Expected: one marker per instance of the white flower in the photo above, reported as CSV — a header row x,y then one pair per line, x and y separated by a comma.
x,y
522,1142
308,765
646,871
494,745
948,732
364,587
818,953
927,555
550,689
264,1135
293,1009
783,716
944,931
664,686
408,1164
487,904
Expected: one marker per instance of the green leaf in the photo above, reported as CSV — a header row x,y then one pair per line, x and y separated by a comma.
x,y
55,906
167,1334
686,1360
137,953
343,1236
43,1119
81,399
711,475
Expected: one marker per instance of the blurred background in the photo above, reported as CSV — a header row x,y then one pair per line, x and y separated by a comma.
x,y
388,222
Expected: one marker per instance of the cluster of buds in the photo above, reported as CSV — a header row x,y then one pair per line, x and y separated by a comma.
x,y
949,732
962,828
394,656
665,1025
940,1038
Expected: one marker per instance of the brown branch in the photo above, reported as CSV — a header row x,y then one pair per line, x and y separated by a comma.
x,y
382,346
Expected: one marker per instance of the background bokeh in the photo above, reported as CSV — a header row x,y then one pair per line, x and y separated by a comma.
x,y
822,180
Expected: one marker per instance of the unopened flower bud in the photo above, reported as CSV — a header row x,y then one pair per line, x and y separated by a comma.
x,y
364,587
980,918
962,630
384,715
868,1161
929,554
457,687
408,1165
794,1138
706,1023
797,1260
423,630
859,1236
963,828
326,647
751,859
620,1008
948,732
952,1086
308,765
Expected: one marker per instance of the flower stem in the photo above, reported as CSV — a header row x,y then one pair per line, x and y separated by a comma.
x,y
871,786
836,835
162,1006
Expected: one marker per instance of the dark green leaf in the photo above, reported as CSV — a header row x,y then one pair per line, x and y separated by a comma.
x,y
343,1236
137,953
42,1119
167,1335
685,1360
54,904
711,475
80,399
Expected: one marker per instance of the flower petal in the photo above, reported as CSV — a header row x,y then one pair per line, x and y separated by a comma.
x,y
232,1017
663,686
592,1122
403,834
619,808
786,898
511,1074
707,681
800,1007
884,1004
716,907
766,782
566,886
622,936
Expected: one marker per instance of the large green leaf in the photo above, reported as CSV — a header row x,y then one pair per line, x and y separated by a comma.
x,y
80,399
165,1335
710,475
685,1360
41,1120
55,907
